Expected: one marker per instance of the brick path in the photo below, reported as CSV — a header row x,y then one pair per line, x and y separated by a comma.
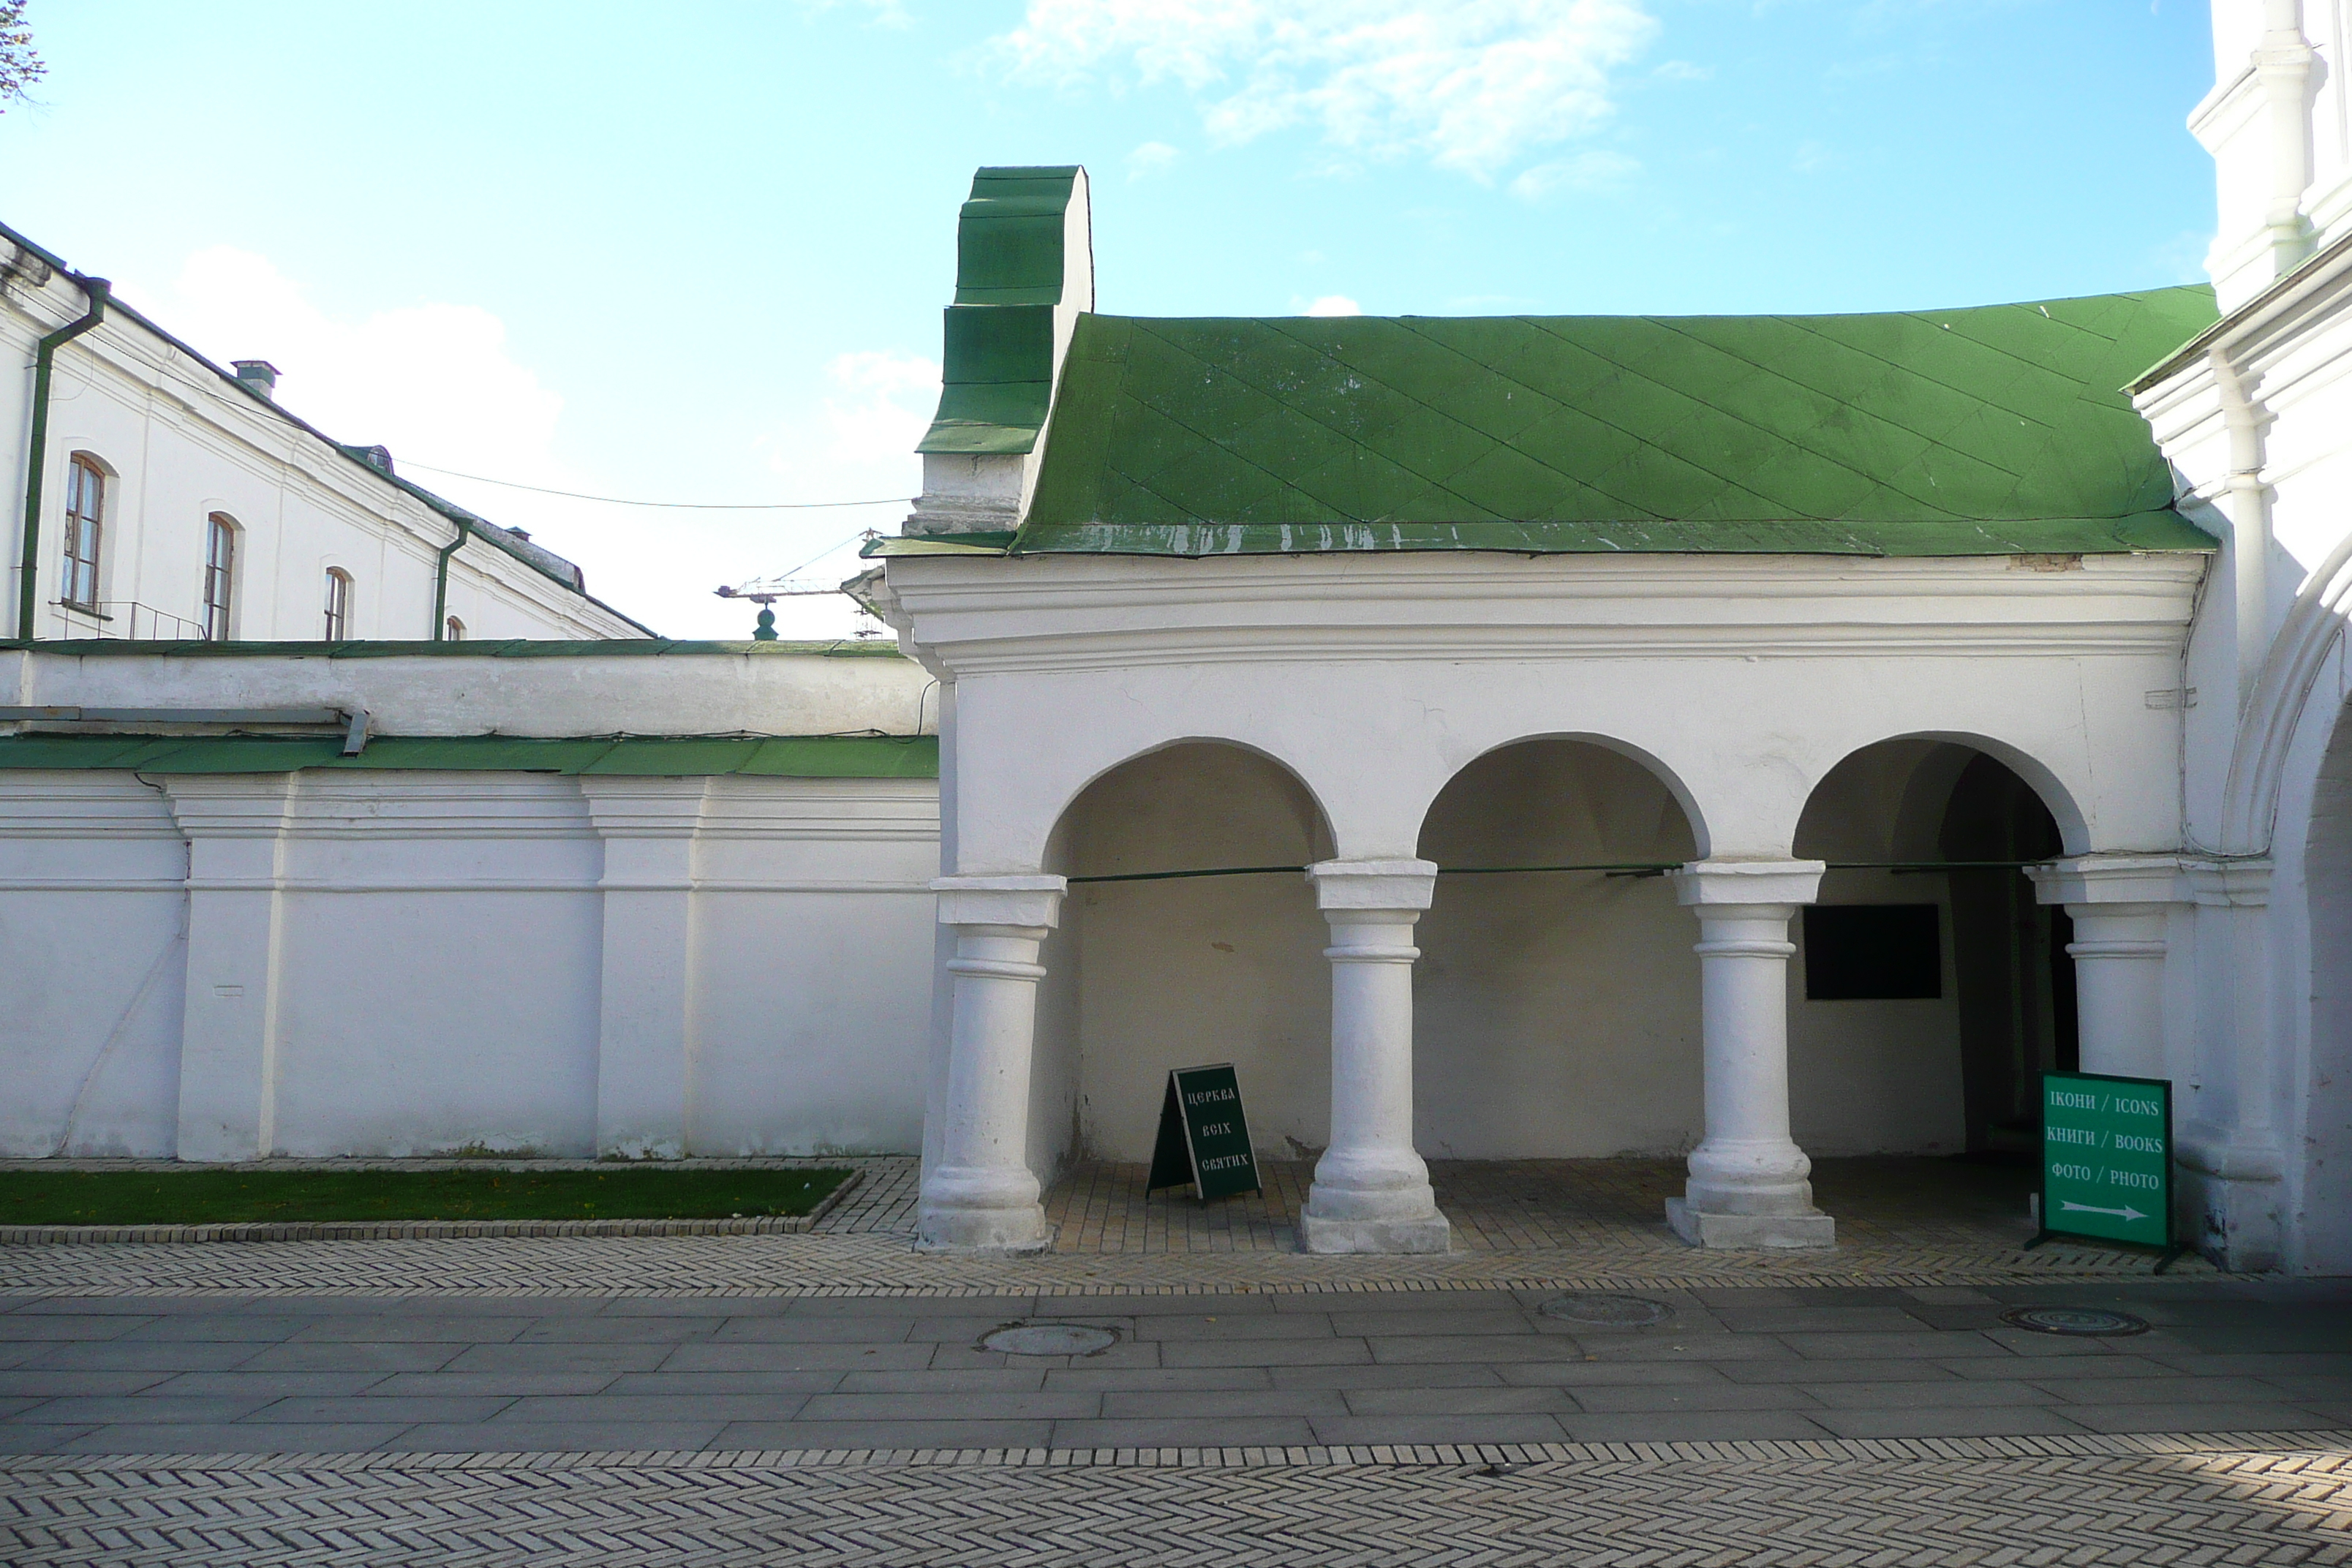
x,y
1518,1224
709,1400
1822,1505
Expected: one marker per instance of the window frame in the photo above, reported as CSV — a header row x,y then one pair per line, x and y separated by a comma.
x,y
453,629
218,596
338,606
85,474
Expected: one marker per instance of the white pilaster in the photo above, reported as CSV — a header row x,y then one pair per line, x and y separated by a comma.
x,y
645,1050
2231,1146
978,1194
2121,908
1748,1184
1371,1191
235,828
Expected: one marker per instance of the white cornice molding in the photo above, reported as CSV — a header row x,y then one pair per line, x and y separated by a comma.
x,y
1069,614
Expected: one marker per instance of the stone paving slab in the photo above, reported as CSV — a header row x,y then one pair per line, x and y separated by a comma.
x,y
2280,1498
412,1373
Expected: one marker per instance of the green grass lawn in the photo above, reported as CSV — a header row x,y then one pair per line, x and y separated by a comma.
x,y
217,1197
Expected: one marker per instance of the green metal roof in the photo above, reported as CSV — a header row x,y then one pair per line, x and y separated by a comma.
x,y
1996,430
997,369
790,756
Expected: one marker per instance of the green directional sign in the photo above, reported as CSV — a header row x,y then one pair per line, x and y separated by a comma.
x,y
1203,1136
2106,1158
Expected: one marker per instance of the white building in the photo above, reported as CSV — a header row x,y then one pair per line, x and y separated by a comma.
x,y
165,498
1746,738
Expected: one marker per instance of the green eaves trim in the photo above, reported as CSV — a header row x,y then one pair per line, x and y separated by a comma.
x,y
2153,531
789,756
973,543
550,648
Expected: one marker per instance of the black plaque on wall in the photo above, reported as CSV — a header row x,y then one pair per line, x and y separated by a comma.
x,y
1865,952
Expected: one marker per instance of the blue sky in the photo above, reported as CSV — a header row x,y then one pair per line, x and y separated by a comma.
x,y
698,251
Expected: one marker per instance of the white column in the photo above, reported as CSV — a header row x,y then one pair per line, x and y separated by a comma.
x,y
645,1045
979,1193
1371,1191
235,828
1748,1184
2121,906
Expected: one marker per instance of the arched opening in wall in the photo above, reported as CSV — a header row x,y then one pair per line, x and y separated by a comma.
x,y
2324,1205
1929,986
1150,972
1556,1011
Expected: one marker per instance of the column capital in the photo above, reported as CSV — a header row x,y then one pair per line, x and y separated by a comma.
x,y
2241,883
2107,878
1404,885
1704,883
1032,902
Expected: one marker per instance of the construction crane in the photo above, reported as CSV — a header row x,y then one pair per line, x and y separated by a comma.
x,y
765,591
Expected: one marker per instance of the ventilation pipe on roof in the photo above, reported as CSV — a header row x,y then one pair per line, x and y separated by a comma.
x,y
37,455
257,376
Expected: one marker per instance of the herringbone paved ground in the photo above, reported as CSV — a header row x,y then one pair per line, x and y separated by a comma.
x,y
1865,1505
1518,1224
566,1380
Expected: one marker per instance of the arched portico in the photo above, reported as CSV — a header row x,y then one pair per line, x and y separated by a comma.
x,y
1186,882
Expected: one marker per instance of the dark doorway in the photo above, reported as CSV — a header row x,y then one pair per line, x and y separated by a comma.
x,y
2015,981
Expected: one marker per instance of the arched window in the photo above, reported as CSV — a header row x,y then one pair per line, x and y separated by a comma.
x,y
339,604
455,631
220,574
85,516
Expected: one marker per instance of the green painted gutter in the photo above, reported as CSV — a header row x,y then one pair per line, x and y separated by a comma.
x,y
441,579
36,458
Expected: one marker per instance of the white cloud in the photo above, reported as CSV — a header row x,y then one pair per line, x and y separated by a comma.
x,y
438,384
879,407
434,381
1472,84
1335,305
886,13
1684,70
1584,172
1151,158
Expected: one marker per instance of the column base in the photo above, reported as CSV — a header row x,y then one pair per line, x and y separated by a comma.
x,y
1435,1233
1700,1228
984,1233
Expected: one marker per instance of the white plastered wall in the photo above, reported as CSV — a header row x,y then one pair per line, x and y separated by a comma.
x,y
408,963
1735,686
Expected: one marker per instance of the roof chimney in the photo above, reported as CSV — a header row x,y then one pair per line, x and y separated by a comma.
x,y
259,375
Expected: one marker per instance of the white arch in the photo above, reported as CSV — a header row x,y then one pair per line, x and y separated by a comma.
x,y
2074,827
1671,782
1322,825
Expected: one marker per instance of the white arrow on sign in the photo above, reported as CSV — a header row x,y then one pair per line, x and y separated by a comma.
x,y
2127,1213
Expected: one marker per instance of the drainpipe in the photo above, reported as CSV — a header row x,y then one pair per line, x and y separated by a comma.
x,y
36,453
2247,502
441,582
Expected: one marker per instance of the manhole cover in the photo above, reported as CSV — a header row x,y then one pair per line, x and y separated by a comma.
x,y
1048,1339
1607,1311
2083,1321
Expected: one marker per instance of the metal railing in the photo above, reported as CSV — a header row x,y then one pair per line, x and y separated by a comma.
x,y
129,620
